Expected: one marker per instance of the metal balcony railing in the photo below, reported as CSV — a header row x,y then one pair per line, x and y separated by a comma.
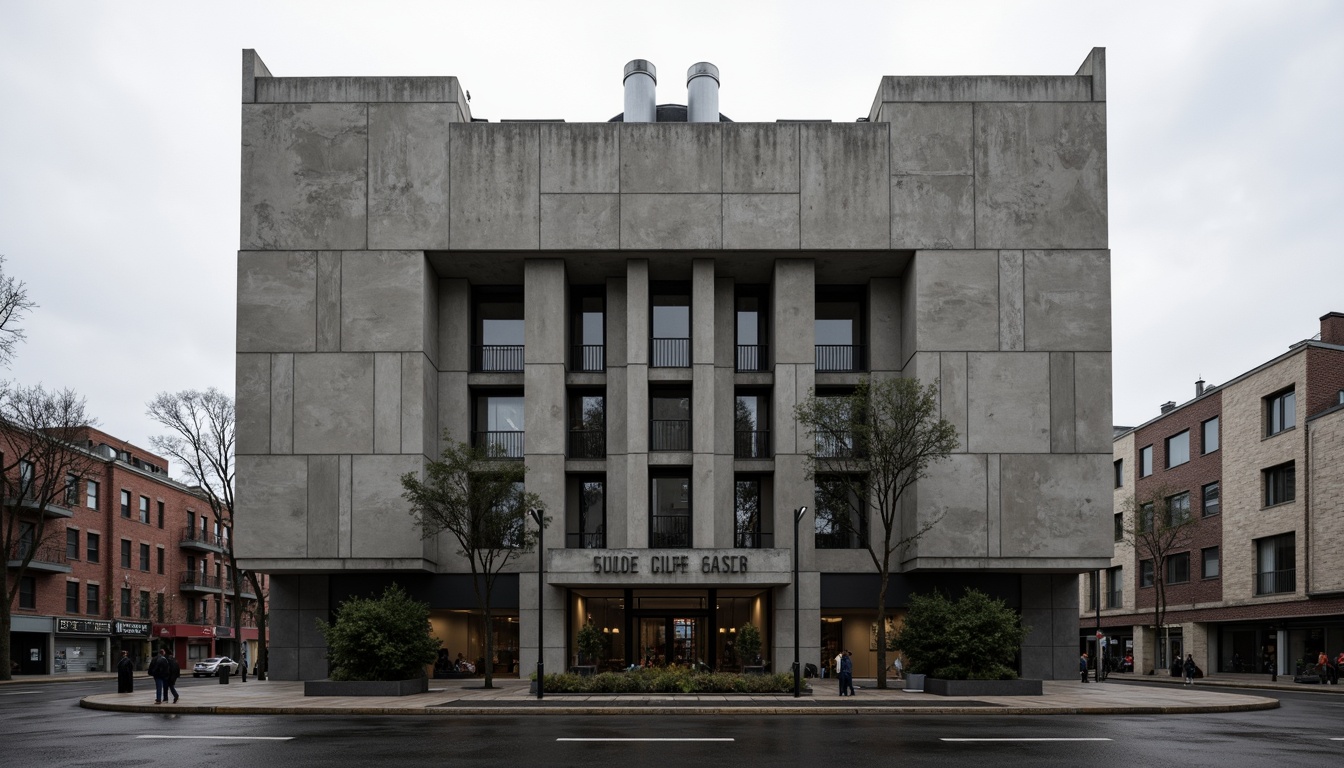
x,y
753,540
51,554
751,357
591,540
501,445
670,353
192,535
669,435
587,444
839,358
751,444
588,358
670,531
840,445
201,580
1275,582
496,358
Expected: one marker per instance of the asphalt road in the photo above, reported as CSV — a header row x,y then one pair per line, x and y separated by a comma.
x,y
42,725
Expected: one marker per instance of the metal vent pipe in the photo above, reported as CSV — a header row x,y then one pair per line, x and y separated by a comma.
x,y
702,93
641,78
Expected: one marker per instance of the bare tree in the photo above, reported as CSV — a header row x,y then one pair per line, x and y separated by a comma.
x,y
202,434
1158,526
14,304
43,466
480,499
869,448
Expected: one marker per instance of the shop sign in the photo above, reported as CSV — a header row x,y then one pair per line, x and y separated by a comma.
x,y
135,628
85,626
223,631
760,567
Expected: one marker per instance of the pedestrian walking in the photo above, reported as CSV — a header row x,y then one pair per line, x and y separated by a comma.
x,y
1190,669
125,674
1082,667
174,672
899,667
158,669
846,674
839,659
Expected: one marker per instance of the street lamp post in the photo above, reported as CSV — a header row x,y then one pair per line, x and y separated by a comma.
x,y
541,570
797,595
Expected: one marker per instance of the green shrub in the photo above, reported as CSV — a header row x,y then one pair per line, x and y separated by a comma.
x,y
748,643
669,680
974,638
590,643
383,638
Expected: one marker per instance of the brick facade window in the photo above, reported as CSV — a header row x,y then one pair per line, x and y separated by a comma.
x,y
125,601
72,597
91,494
1211,499
1146,461
92,544
1210,563
144,510
28,592
1276,564
1119,473
1119,526
1145,573
1280,412
125,553
1178,568
126,504
1178,508
91,601
71,544
1280,484
1178,449
1208,441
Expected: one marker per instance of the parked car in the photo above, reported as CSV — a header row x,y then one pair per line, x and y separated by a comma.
x,y
211,667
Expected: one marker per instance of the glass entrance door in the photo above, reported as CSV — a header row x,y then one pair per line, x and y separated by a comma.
x,y
672,640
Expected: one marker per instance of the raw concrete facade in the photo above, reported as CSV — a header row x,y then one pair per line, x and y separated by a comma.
x,y
964,223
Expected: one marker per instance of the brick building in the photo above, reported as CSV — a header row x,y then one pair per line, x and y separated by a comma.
x,y
129,559
1257,464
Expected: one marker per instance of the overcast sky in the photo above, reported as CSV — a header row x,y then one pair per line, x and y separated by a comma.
x,y
119,128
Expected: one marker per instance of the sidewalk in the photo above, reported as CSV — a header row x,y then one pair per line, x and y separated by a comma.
x,y
466,697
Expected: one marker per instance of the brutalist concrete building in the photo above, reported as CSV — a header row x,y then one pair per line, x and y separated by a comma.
x,y
633,308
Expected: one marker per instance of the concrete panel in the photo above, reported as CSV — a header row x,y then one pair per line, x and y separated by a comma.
x,y
544,412
618,534
932,212
1008,402
793,302
272,507
312,660
252,388
1092,401
896,88
616,323
958,300
382,301
1040,177
617,392
277,302
725,332
419,405
953,394
760,222
387,387
687,221
637,326
954,494
637,409
1061,403
495,186
703,496
454,408
1056,505
329,301
432,90
702,311
283,662
282,404
454,322
323,505
1067,297
408,175
845,186
580,157
580,222
931,138
1011,312
304,176
333,403
381,524
760,157
344,513
884,324
671,157
637,500
993,516
544,289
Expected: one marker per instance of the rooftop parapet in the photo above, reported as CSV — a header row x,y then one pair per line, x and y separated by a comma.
x,y
260,87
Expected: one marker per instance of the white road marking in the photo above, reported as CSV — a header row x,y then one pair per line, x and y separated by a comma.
x,y
1024,739
19,693
649,739
222,738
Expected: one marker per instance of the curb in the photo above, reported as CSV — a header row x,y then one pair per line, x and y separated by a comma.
x,y
1258,704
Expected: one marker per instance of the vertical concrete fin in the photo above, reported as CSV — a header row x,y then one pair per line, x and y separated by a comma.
x,y
253,67
1094,66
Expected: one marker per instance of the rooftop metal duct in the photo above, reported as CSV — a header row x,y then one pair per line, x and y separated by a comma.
x,y
702,93
641,78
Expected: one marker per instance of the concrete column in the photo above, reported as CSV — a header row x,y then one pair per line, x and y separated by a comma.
x,y
706,480
618,398
636,403
793,314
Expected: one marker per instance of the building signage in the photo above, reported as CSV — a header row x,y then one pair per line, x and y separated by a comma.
x,y
136,628
84,626
669,567
223,631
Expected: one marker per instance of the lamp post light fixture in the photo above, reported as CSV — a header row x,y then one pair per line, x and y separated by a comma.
x,y
797,598
540,518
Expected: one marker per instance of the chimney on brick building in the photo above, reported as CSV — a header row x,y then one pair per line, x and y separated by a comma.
x,y
1169,406
1199,388
1332,328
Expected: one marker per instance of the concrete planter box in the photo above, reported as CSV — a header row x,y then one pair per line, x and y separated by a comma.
x,y
365,687
940,687
914,682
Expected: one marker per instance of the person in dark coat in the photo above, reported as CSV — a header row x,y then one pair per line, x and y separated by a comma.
x,y
170,682
1082,667
847,675
1190,669
158,669
125,674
